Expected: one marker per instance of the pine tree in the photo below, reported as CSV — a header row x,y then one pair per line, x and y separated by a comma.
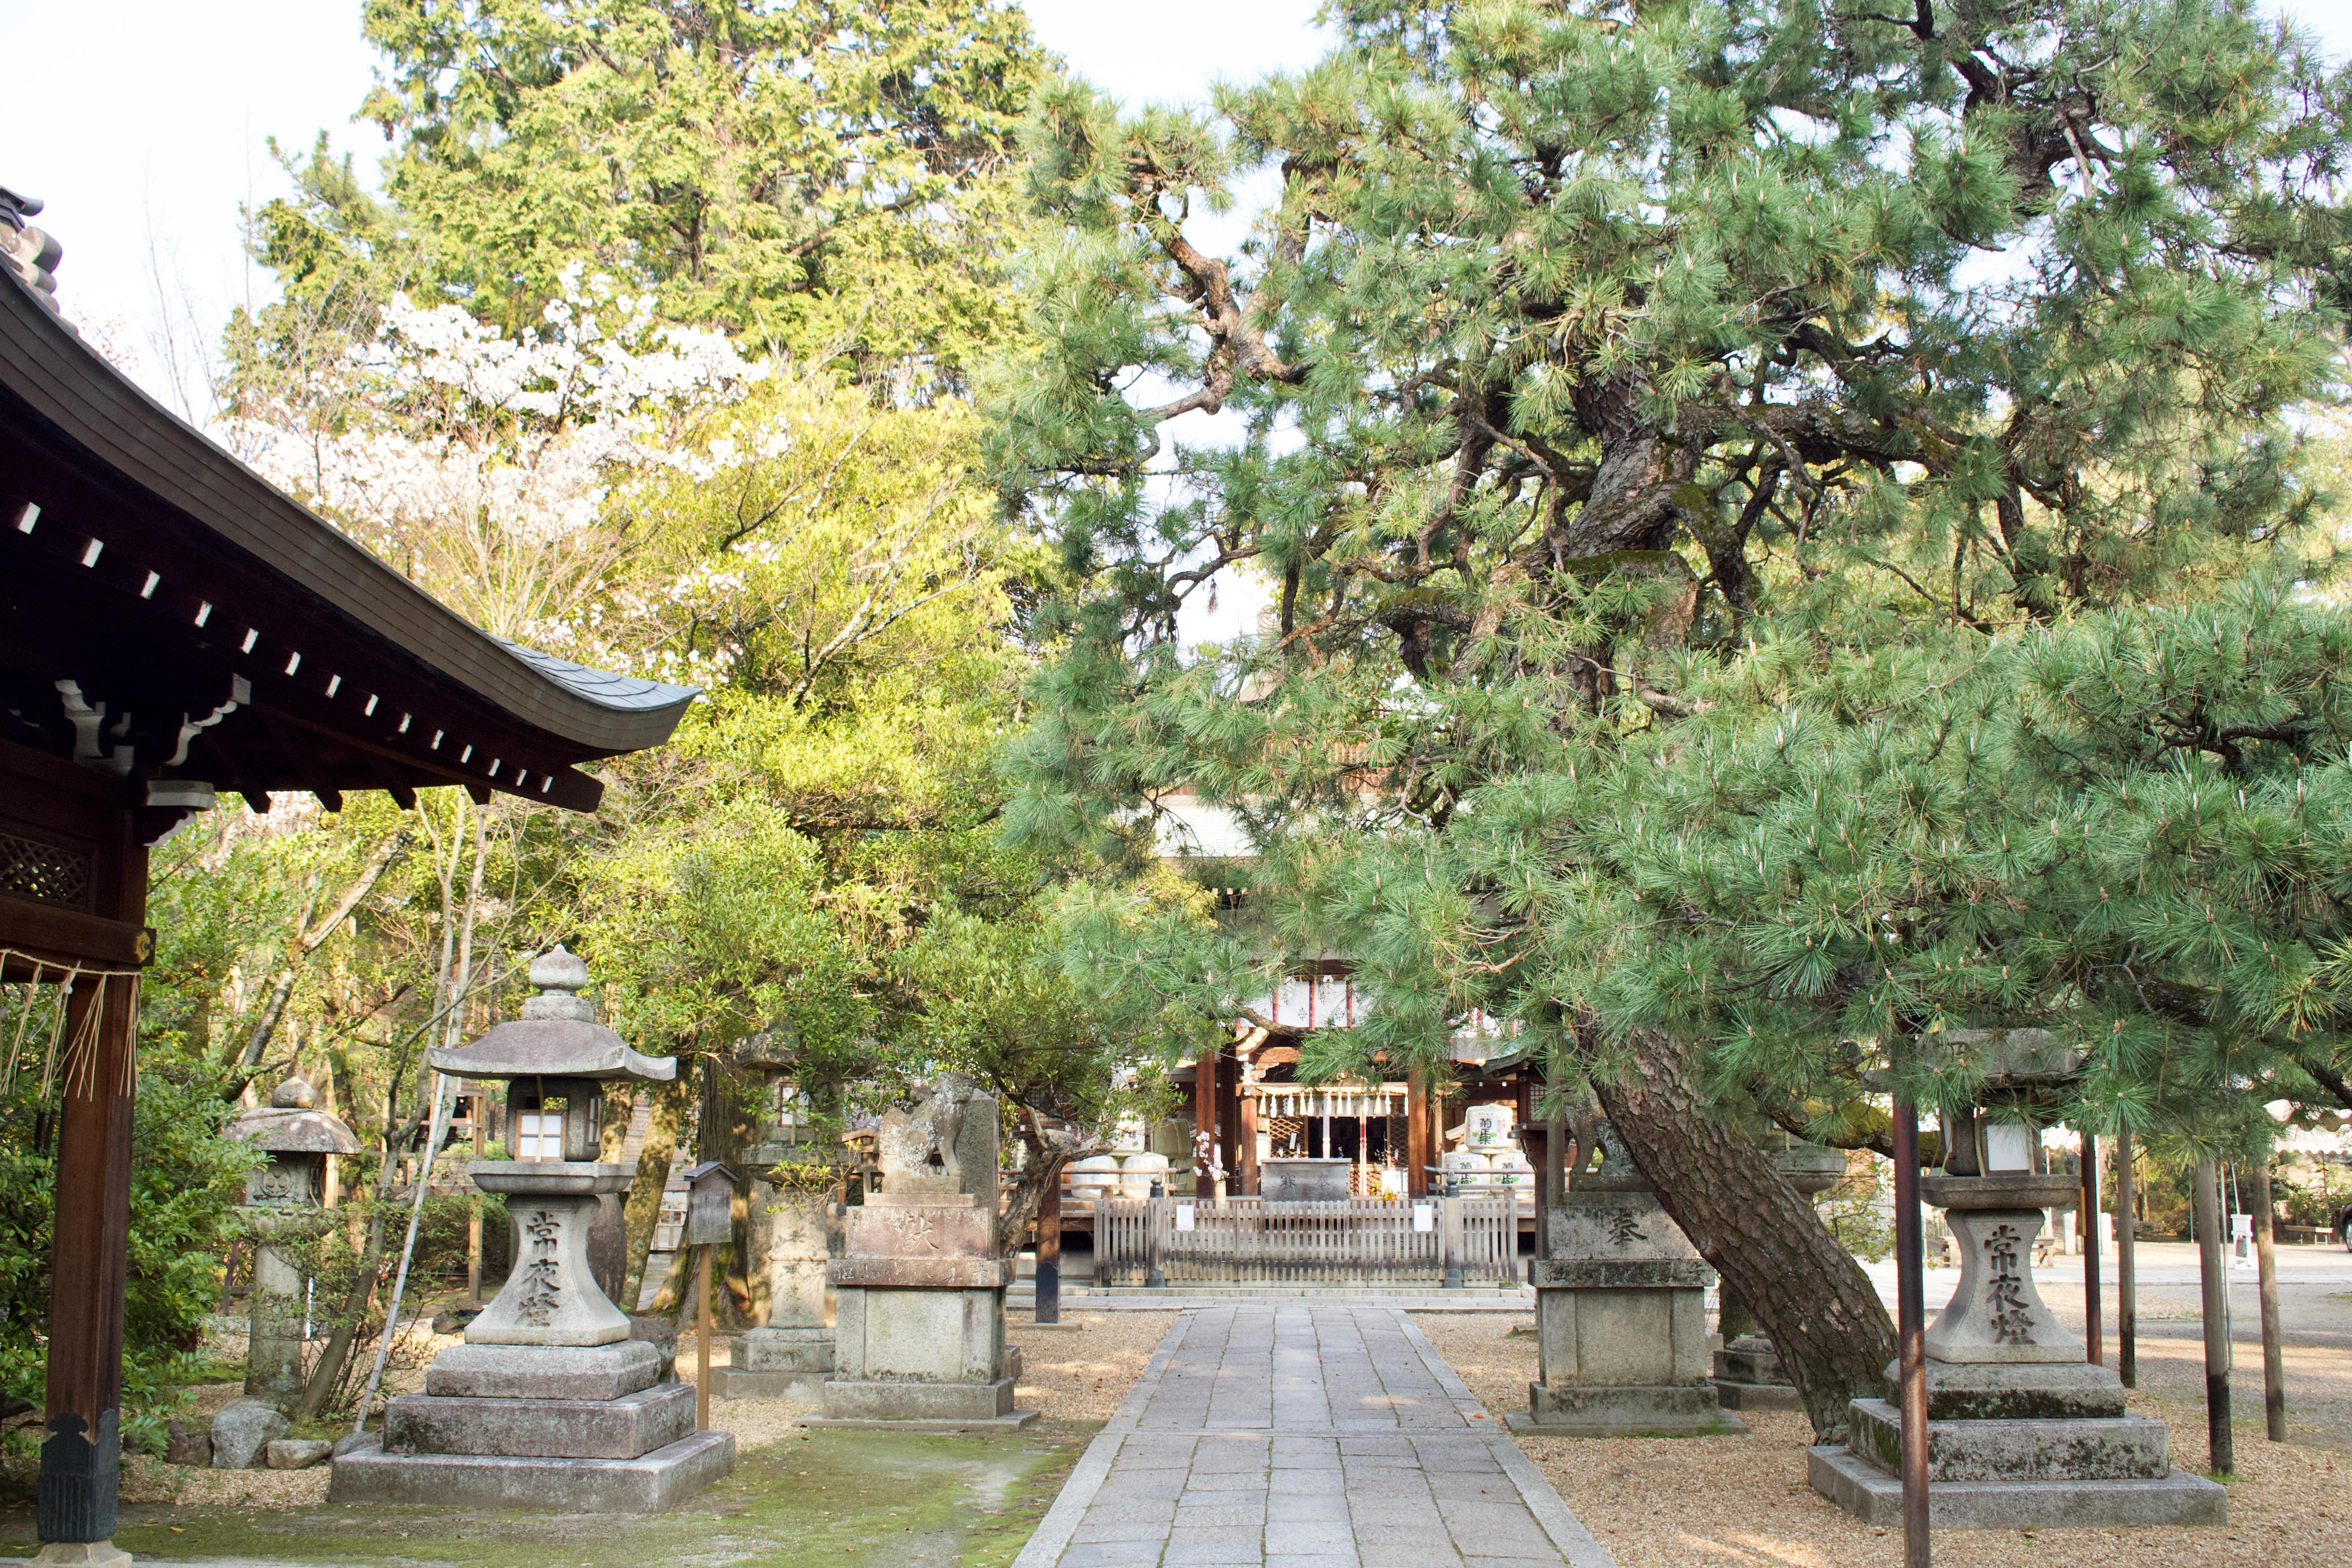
x,y
1585,349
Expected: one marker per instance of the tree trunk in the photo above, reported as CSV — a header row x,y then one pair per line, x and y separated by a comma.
x,y
1820,1311
643,1207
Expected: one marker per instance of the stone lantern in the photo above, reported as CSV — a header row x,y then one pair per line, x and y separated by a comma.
x,y
2023,1432
548,1403
282,1205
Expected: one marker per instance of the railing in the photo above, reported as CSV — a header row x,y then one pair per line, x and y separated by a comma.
x,y
1449,1241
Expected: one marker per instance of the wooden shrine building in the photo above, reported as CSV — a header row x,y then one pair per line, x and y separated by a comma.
x,y
174,629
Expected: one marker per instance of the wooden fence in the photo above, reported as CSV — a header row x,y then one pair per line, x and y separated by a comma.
x,y
1149,1241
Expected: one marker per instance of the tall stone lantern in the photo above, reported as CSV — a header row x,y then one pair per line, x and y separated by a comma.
x,y
2023,1432
548,1403
283,1199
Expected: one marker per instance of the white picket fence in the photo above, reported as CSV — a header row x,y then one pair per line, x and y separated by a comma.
x,y
1149,1241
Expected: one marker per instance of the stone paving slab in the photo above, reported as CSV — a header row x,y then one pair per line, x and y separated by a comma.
x,y
1296,1434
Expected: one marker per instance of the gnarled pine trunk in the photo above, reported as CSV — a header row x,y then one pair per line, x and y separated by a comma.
x,y
1825,1318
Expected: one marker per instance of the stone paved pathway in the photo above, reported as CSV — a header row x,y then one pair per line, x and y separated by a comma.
x,y
1304,1437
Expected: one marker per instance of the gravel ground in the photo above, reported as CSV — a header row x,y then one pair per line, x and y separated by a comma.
x,y
1692,1501
1074,1376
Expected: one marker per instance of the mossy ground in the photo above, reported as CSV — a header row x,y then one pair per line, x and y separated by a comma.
x,y
839,1498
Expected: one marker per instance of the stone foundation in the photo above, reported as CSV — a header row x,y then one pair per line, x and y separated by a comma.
x,y
1747,1377
650,1483
1875,1497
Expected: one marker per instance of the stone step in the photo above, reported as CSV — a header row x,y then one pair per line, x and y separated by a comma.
x,y
1875,1497
544,1372
624,1428
649,1483
2110,1448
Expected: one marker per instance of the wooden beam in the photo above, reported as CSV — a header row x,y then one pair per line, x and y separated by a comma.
x,y
304,758
67,934
1416,1133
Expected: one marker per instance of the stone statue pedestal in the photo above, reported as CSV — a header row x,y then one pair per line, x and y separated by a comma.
x,y
790,1355
1621,1320
2022,1433
918,1319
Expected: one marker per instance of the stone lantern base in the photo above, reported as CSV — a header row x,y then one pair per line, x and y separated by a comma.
x,y
1747,1376
2022,1431
1622,1347
549,1404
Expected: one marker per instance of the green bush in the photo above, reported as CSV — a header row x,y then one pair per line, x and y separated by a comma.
x,y
185,1183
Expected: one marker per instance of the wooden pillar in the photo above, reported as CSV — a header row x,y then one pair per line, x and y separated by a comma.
x,y
1249,1141
1229,1115
1416,1133
1910,1331
1049,1253
1204,1120
81,1460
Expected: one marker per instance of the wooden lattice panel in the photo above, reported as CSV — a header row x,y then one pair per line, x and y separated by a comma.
x,y
32,870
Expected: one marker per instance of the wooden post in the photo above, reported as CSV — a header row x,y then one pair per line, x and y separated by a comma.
x,y
2211,1273
1416,1135
2126,1279
2089,1209
1204,1122
2266,1268
1049,1253
702,1338
1911,1335
81,1460
1249,1141
1449,1242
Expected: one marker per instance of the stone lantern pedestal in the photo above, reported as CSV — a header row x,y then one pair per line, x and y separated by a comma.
x,y
548,1403
2022,1431
919,1321
1620,1318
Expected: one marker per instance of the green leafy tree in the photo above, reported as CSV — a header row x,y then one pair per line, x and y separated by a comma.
x,y
826,179
1584,348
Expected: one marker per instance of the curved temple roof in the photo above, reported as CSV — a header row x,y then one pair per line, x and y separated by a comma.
x,y
133,546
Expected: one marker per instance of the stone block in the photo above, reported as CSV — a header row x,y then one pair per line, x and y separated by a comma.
x,y
957,1228
1596,1337
551,1297
783,1350
1616,1226
735,1382
1736,1396
1994,1391
181,1446
1622,1411
243,1428
1875,1497
929,1336
1995,1314
845,1399
79,1554
647,1484
2118,1449
349,1440
918,1273
620,1428
544,1371
661,1332
299,1453
1750,1358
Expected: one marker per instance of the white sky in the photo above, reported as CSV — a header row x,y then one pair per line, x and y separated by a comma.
x,y
145,133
